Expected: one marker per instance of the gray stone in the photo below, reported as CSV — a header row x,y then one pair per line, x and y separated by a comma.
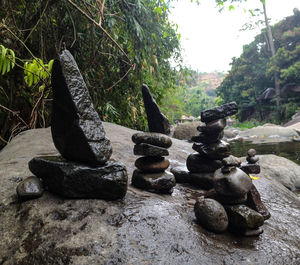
x,y
186,130
77,131
157,122
235,183
242,217
156,182
250,168
231,161
251,152
202,180
152,164
149,150
207,138
229,200
197,163
30,188
252,159
142,228
255,203
218,150
73,180
181,174
211,215
156,139
213,127
219,112
253,232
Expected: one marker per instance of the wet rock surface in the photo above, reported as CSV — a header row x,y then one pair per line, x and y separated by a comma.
x,y
219,112
218,150
157,182
211,215
149,150
74,119
152,164
156,139
157,122
236,183
30,188
73,180
142,228
197,163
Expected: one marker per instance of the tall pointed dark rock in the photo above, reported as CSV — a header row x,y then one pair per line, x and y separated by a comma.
x,y
157,121
77,130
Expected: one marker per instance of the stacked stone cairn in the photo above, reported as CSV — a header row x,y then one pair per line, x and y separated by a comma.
x,y
231,201
151,171
83,170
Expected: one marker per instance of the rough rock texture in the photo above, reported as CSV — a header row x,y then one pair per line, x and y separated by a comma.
x,y
156,139
219,112
185,131
197,163
149,150
156,182
207,138
251,168
30,188
73,180
283,170
143,228
157,122
76,128
213,127
218,150
241,217
211,215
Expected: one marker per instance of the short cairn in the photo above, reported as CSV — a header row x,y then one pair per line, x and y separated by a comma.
x,y
150,173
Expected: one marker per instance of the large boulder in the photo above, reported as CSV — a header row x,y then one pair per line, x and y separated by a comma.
x,y
283,170
185,131
142,228
270,133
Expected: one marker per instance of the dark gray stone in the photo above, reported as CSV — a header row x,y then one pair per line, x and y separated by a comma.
x,y
152,164
149,150
218,150
242,217
157,182
73,180
207,138
235,183
229,200
253,232
227,169
219,112
202,180
197,163
213,127
255,203
156,139
77,131
252,159
157,122
251,152
250,168
231,161
181,174
211,215
30,188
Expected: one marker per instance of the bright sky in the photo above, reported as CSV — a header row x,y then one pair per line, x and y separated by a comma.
x,y
210,39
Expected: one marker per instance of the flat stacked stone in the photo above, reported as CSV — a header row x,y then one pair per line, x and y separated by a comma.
x,y
83,170
151,171
251,166
230,186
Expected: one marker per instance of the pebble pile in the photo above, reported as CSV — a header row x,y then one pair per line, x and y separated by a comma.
x,y
151,171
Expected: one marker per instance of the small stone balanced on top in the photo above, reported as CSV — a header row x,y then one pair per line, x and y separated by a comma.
x,y
83,170
153,147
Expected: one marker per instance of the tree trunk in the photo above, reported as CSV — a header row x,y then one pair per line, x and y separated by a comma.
x,y
272,47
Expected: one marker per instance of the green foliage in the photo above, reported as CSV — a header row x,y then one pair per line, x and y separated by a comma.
x,y
253,72
7,59
133,45
247,124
